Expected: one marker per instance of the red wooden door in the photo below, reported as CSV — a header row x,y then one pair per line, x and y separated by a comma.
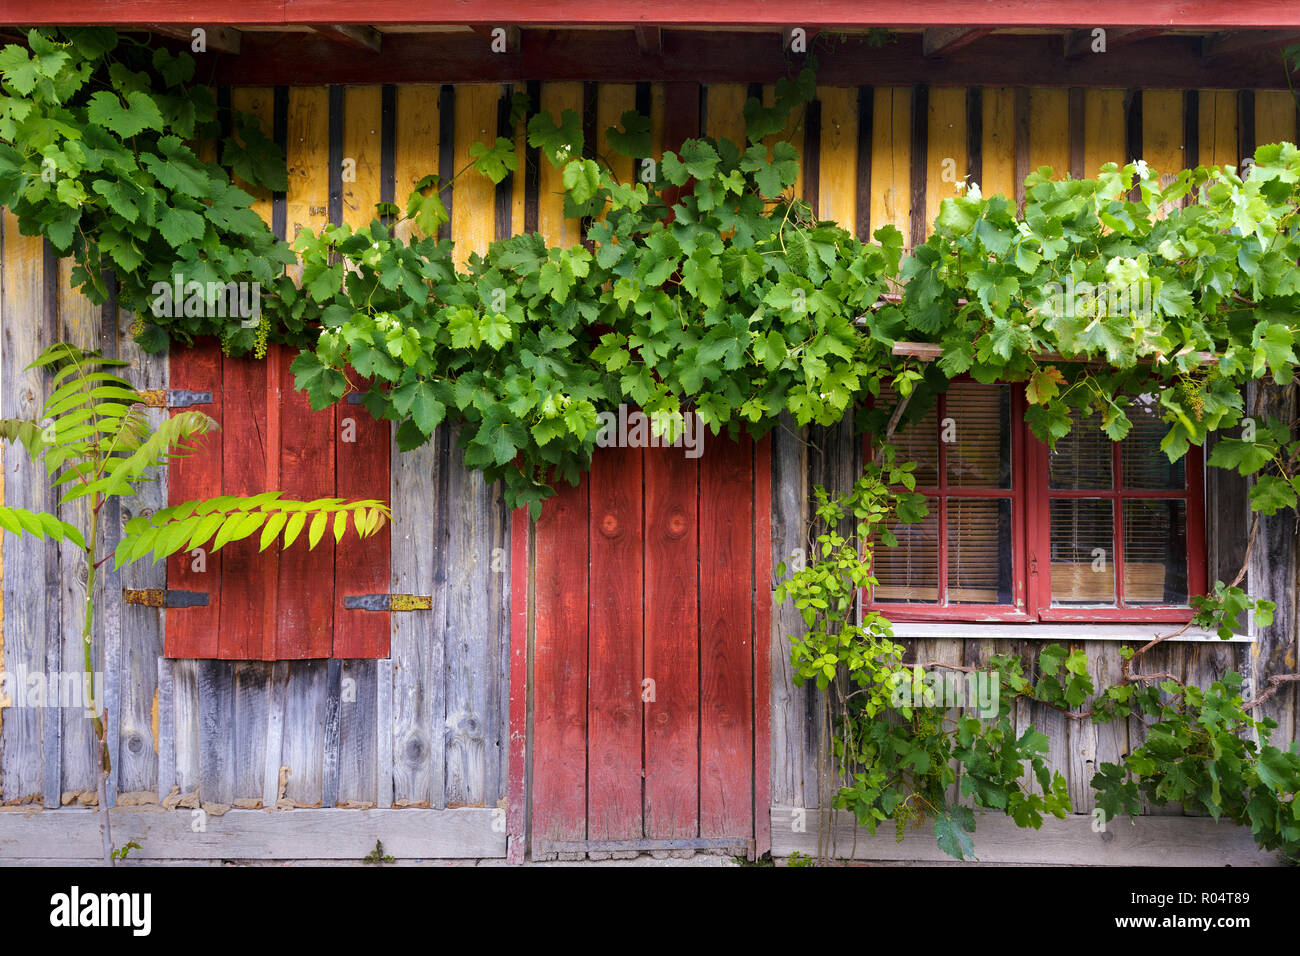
x,y
650,590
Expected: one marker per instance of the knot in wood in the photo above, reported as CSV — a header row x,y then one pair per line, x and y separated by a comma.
x,y
609,525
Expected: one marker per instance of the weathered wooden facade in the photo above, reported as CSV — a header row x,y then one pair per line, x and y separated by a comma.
x,y
435,747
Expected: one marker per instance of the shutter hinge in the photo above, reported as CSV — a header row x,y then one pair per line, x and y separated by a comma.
x,y
388,602
156,597
175,398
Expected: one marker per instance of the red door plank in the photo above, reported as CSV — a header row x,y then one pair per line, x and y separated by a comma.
x,y
560,668
193,631
244,442
614,656
361,567
305,601
726,628
762,645
672,644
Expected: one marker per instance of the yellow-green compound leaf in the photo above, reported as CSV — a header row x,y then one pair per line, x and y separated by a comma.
x,y
273,526
296,521
317,530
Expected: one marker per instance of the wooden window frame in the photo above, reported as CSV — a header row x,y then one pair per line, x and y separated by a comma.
x,y
1031,498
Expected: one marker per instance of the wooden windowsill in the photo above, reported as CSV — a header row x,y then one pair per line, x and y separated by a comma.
x,y
1129,632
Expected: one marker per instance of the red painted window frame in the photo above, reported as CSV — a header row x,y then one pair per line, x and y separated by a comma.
x,y
1031,537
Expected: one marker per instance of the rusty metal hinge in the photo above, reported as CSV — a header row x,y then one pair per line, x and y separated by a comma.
x,y
175,398
388,602
157,597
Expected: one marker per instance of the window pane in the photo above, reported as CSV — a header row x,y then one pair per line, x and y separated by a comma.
x,y
979,449
919,442
1083,536
1155,552
1142,463
979,551
909,573
1082,459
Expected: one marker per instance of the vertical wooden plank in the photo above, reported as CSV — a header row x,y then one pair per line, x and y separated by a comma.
x,y
78,323
277,692
358,764
517,800
762,645
108,597
1078,132
726,623
244,442
891,160
559,796
1163,146
1218,127
1049,130
946,155
672,652
362,144
307,155
1275,117
472,224
974,134
837,195
612,101
531,165
866,100
137,764
166,728
792,783
614,661
260,102
918,223
303,741
217,731
27,602
1021,152
195,631
252,695
305,613
417,151
471,641
725,113
185,701
1103,124
559,231
998,143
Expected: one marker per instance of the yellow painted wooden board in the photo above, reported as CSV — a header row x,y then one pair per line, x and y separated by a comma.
x,y
612,101
838,192
1162,132
416,147
1275,117
946,157
473,210
891,150
1217,128
725,113
307,199
1103,130
998,142
1049,130
362,146
260,102
559,231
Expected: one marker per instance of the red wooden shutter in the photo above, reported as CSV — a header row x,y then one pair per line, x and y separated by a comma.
x,y
277,604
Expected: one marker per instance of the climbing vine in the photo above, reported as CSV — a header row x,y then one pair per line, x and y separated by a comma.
x,y
705,286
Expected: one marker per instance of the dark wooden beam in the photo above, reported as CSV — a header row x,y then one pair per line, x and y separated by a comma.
x,y
939,42
356,37
1079,43
1167,62
1246,41
1204,15
216,39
